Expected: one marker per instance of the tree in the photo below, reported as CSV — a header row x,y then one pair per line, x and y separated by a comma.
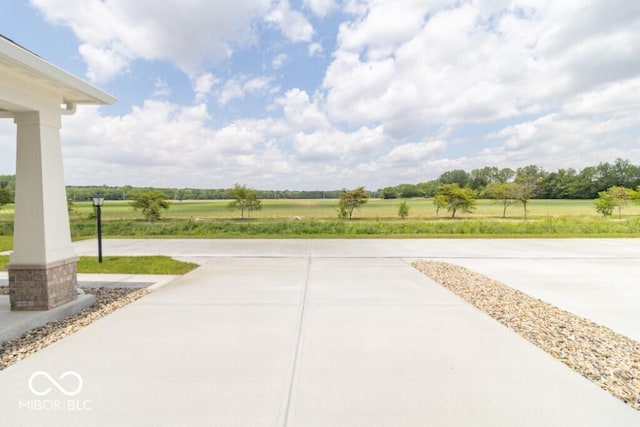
x,y
587,184
458,199
150,203
506,192
604,203
456,176
635,195
390,193
409,190
479,179
5,196
621,197
245,199
351,200
71,207
402,190
562,184
8,184
505,175
439,201
528,179
626,174
429,188
605,176
403,210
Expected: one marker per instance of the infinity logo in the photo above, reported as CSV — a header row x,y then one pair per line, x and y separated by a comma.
x,y
55,383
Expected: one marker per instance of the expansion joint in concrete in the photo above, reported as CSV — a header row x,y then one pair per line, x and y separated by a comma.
x,y
298,346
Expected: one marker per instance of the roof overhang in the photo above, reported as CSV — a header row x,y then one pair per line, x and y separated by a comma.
x,y
18,64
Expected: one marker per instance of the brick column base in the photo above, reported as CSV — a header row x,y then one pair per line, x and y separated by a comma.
x,y
42,287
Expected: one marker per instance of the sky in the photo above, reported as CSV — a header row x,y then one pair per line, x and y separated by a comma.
x,y
330,94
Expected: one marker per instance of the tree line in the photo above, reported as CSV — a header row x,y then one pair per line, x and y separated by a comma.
x,y
561,184
7,188
568,183
84,193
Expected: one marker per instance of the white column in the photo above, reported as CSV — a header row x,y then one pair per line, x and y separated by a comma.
x,y
42,241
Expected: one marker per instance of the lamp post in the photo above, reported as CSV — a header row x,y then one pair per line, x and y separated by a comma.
x,y
98,201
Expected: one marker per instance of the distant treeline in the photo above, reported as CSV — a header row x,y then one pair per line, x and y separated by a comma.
x,y
79,194
561,184
84,193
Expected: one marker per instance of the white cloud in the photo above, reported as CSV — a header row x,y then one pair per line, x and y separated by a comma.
x,y
331,145
561,140
163,144
315,49
239,87
355,7
232,90
386,24
620,98
292,23
302,113
415,152
161,88
420,64
408,162
257,84
414,88
153,136
202,85
103,63
320,7
115,32
278,61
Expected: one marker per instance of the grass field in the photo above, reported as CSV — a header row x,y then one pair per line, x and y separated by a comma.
x,y
378,218
127,264
6,243
327,209
134,265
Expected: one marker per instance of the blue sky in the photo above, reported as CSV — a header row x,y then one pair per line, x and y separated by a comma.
x,y
324,94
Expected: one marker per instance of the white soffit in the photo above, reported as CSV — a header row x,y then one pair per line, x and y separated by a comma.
x,y
16,59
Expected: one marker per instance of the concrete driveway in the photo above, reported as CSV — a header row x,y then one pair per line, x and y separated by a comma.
x,y
332,333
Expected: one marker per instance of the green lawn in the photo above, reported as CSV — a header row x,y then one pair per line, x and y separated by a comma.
x,y
6,243
378,218
134,265
127,264
327,209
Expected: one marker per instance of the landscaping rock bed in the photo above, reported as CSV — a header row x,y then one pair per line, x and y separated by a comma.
x,y
107,301
605,357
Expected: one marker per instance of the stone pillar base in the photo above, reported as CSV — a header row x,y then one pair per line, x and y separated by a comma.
x,y
42,287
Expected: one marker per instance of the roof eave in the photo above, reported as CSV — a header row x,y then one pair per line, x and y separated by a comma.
x,y
21,57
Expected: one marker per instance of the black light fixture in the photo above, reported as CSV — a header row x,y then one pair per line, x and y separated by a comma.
x,y
98,201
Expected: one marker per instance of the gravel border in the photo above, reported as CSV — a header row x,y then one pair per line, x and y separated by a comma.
x,y
609,359
108,300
